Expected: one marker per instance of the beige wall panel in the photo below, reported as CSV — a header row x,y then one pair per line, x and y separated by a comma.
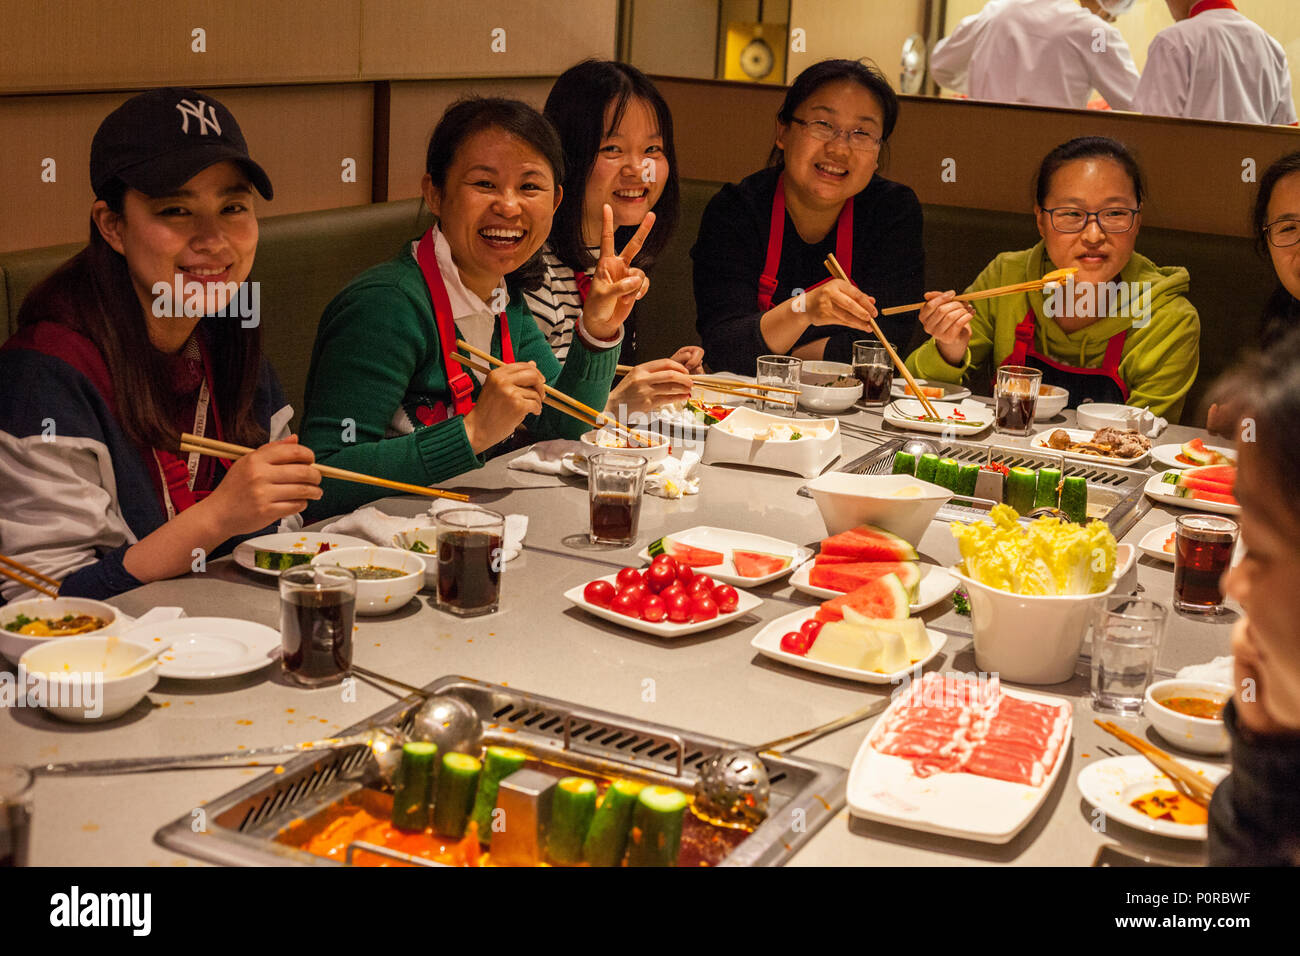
x,y
119,44
853,29
415,110
452,38
675,37
300,135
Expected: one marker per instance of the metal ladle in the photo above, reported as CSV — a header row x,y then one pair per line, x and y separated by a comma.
x,y
733,786
443,719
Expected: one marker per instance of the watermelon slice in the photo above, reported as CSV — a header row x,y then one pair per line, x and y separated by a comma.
x,y
685,554
759,564
1197,494
850,577
1221,474
835,559
1196,452
868,543
1184,480
884,598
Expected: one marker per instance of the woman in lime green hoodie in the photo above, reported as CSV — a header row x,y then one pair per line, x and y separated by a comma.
x,y
1119,330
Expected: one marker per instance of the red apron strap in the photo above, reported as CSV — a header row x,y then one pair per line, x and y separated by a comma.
x,y
1024,340
844,239
507,350
583,282
458,380
775,236
1110,362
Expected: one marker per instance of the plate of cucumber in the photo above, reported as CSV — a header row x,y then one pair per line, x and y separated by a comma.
x,y
273,553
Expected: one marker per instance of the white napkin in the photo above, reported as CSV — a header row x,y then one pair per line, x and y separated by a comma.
x,y
1219,669
516,525
157,615
555,457
673,477
376,527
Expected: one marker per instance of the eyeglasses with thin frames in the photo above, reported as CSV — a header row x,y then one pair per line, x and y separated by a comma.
x,y
1282,233
1071,219
858,139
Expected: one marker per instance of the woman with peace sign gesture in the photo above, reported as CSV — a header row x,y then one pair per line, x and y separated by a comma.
x,y
385,395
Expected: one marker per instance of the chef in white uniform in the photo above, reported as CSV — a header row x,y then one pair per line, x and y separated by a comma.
x,y
1044,52
1215,64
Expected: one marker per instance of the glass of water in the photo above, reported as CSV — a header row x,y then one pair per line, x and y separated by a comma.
x,y
783,372
1126,634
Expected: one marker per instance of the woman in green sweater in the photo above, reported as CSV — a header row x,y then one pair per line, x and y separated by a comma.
x,y
384,396
1119,330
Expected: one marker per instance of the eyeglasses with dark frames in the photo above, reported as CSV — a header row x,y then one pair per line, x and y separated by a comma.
x,y
1071,219
859,139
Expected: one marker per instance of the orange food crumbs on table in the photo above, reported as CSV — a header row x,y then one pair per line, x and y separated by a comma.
x,y
289,710
90,827
279,769
165,703
190,703
244,723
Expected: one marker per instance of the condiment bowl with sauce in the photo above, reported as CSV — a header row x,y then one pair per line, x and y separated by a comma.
x,y
1189,713
83,679
828,386
656,447
387,578
40,613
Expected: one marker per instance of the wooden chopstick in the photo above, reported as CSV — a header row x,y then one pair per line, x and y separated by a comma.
x,y
1018,287
836,270
221,449
29,578
739,390
709,381
547,401
1197,787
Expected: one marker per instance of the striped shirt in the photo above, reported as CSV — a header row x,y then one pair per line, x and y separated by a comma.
x,y
556,303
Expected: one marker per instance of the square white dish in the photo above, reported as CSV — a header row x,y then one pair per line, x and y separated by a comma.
x,y
746,603
909,414
1039,441
768,643
731,442
935,585
726,540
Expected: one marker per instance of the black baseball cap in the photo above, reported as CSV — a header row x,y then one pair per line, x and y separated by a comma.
x,y
157,141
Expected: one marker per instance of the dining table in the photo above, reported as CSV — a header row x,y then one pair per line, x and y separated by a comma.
x,y
713,682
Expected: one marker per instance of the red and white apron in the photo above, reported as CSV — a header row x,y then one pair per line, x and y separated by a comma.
x,y
776,235
1102,384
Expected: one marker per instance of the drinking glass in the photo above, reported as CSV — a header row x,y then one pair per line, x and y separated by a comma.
x,y
615,481
1016,393
872,366
1126,634
318,604
783,372
471,551
15,814
1202,552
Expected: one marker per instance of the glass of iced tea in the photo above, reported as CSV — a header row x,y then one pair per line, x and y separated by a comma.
x,y
318,604
783,371
1202,552
874,370
15,814
1016,395
615,481
471,551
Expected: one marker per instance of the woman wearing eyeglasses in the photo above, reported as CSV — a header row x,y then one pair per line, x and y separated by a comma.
x,y
760,283
1120,330
1277,228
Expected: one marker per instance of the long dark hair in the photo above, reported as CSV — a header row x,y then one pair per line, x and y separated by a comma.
x,y
1088,147
863,72
1280,168
576,107
92,293
474,114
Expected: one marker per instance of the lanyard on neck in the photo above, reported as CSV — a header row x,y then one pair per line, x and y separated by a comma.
x,y
178,476
776,236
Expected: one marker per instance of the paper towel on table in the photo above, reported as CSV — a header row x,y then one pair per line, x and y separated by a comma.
x,y
556,457
673,477
516,525
1219,669
374,526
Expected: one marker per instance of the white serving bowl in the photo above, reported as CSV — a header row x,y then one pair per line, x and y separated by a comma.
x,y
1202,735
14,645
822,398
660,448
389,594
1096,415
58,670
734,441
1031,639
847,501
1051,399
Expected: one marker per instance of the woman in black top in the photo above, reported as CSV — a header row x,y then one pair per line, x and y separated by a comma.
x,y
1277,229
762,242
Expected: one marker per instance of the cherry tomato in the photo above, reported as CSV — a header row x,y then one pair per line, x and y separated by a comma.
x,y
599,593
812,627
679,608
626,603
628,577
665,560
660,576
685,574
671,592
797,642
653,609
726,598
703,608
637,592
700,584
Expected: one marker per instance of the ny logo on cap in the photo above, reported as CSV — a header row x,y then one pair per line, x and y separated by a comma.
x,y
189,109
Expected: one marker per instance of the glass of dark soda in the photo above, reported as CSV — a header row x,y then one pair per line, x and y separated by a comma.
x,y
615,481
1202,552
471,551
874,370
15,814
1016,396
318,604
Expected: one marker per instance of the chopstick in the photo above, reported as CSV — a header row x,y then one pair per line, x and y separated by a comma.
x,y
221,449
710,381
834,268
548,401
632,438
29,577
1033,286
1195,786
739,390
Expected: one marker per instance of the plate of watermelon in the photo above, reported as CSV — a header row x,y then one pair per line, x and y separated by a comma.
x,y
1204,488
852,558
734,557
1192,454
1159,544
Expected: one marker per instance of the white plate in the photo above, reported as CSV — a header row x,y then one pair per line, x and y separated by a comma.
x,y
726,541
883,787
1111,784
664,628
209,647
768,643
906,412
305,541
935,585
1167,455
1153,543
1081,434
1157,489
951,392
733,441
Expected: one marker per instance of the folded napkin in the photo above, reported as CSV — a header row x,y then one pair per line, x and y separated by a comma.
x,y
378,528
667,478
1219,669
556,457
516,525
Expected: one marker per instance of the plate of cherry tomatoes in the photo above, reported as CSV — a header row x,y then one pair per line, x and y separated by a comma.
x,y
665,599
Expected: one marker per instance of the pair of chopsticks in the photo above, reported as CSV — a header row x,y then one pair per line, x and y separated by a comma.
x,y
1034,286
221,449
558,400
1186,780
29,577
733,387
833,266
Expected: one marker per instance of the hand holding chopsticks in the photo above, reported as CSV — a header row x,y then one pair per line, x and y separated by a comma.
x,y
1187,781
1036,285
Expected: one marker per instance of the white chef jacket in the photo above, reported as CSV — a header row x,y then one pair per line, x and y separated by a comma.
x,y
1044,52
1217,65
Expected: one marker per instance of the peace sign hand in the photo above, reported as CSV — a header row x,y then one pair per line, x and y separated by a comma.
x,y
616,285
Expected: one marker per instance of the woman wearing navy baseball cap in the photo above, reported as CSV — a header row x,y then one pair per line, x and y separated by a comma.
x,y
141,336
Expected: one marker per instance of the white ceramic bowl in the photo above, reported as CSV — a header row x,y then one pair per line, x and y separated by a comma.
x,y
69,673
1051,399
1096,415
822,398
1031,639
388,594
1202,735
660,449
734,440
847,501
14,645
